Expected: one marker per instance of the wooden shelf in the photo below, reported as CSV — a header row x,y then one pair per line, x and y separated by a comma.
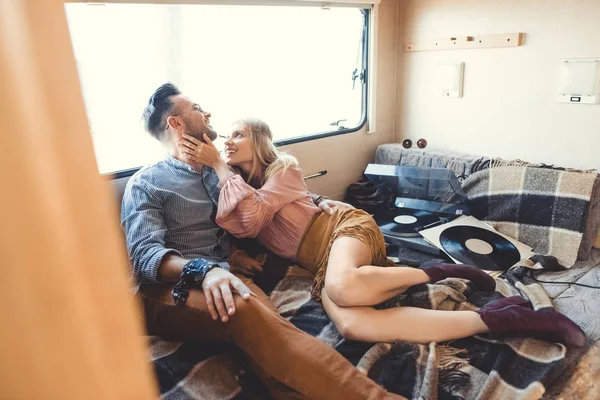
x,y
469,42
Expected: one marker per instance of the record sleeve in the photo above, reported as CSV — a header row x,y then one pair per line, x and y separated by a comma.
x,y
469,241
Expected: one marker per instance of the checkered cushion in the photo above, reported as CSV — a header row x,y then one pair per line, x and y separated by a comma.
x,y
544,208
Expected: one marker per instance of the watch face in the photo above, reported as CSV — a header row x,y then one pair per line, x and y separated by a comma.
x,y
195,271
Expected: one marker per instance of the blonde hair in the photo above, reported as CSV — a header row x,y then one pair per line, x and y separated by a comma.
x,y
267,160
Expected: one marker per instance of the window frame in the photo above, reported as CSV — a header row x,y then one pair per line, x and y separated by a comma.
x,y
365,93
364,82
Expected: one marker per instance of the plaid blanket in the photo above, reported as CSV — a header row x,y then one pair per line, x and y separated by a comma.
x,y
543,208
203,371
479,367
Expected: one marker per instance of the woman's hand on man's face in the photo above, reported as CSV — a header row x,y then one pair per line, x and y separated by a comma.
x,y
196,152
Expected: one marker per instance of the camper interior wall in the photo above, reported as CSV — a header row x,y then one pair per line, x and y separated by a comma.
x,y
509,108
346,156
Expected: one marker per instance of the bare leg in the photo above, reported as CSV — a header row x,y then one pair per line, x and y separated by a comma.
x,y
409,324
351,281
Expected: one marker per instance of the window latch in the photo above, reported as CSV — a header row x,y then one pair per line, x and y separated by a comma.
x,y
357,74
337,123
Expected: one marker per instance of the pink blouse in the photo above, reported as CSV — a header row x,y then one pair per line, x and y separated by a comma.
x,y
277,214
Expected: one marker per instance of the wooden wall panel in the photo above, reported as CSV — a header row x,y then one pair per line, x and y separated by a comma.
x,y
70,329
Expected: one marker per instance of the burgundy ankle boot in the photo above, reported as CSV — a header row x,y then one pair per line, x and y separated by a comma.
x,y
437,270
515,320
503,302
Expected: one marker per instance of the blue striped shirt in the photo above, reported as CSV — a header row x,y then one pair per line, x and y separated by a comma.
x,y
169,207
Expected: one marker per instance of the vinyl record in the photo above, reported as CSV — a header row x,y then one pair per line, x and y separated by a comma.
x,y
480,247
402,221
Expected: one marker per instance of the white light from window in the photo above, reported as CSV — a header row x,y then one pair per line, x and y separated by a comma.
x,y
290,66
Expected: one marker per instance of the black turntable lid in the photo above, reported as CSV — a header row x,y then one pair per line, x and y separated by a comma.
x,y
430,184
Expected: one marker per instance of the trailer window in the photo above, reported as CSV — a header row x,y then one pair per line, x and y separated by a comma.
x,y
301,69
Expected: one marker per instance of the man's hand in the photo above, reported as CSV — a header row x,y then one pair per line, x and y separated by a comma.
x,y
241,261
217,286
328,205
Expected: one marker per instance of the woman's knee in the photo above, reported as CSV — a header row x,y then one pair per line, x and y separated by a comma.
x,y
349,328
341,291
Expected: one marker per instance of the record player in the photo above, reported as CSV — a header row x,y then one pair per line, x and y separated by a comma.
x,y
424,197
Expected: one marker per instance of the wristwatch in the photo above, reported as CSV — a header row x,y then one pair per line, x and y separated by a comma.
x,y
194,271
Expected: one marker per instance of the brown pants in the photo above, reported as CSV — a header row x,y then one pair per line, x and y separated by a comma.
x,y
293,364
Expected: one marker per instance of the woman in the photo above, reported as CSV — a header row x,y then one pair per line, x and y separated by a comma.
x,y
268,200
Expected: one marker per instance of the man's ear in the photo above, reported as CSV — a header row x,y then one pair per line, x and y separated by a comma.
x,y
173,122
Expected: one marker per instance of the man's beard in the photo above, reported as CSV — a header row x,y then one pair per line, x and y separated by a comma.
x,y
199,133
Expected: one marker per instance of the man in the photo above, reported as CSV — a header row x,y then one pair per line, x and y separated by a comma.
x,y
168,216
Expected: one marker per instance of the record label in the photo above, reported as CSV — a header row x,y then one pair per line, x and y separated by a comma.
x,y
479,246
463,243
405,219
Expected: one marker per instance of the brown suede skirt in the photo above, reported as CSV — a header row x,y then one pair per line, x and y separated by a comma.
x,y
313,253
